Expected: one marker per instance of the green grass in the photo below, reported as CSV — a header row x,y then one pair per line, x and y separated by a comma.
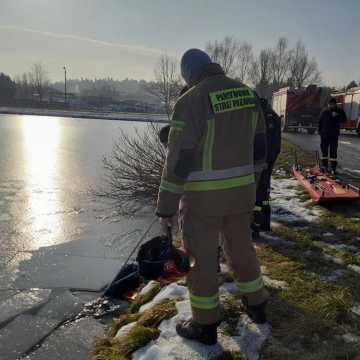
x,y
122,348
286,158
145,330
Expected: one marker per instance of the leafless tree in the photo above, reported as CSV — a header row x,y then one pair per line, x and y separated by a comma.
x,y
280,63
168,84
261,72
245,58
303,70
38,79
23,88
225,53
133,171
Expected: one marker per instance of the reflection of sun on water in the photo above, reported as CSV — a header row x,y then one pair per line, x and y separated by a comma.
x,y
41,140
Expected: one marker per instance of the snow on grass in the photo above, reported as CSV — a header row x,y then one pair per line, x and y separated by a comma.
x,y
125,330
170,292
286,205
147,287
249,339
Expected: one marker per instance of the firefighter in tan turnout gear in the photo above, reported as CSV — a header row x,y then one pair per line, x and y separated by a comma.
x,y
216,152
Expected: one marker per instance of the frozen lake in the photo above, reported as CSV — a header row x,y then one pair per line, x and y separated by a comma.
x,y
52,234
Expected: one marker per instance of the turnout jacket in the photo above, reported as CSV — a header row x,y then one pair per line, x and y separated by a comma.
x,y
330,121
216,150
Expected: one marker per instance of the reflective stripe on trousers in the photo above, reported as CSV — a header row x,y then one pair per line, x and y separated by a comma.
x,y
204,302
251,286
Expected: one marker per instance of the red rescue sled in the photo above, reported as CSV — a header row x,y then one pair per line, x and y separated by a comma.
x,y
322,188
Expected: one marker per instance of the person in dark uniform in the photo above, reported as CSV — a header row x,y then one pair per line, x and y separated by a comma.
x,y
329,130
262,216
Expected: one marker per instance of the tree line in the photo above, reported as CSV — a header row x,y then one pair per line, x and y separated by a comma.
x,y
270,69
266,71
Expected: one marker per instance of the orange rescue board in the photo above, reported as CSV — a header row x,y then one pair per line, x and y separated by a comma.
x,y
322,188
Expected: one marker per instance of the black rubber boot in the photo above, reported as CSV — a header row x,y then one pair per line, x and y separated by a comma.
x,y
324,165
257,313
205,334
255,232
266,218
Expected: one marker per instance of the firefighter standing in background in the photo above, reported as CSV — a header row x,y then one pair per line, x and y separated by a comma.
x,y
216,152
329,130
262,214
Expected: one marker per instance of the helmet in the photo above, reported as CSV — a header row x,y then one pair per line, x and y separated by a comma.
x,y
159,260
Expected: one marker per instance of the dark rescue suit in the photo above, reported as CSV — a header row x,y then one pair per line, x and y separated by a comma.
x,y
329,130
273,139
216,152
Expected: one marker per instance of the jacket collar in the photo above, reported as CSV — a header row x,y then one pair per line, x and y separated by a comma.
x,y
212,69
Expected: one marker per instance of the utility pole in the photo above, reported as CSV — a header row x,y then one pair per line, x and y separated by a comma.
x,y
65,94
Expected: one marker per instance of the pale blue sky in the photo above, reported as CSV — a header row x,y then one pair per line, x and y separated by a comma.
x,y
123,38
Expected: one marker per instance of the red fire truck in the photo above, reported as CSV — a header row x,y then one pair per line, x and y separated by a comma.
x,y
299,108
350,101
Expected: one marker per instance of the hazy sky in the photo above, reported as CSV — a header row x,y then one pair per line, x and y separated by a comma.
x,y
124,38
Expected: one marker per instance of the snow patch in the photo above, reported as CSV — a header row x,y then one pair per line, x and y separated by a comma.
x,y
327,234
147,288
170,292
356,310
249,340
286,206
275,284
345,246
334,276
229,288
350,338
125,330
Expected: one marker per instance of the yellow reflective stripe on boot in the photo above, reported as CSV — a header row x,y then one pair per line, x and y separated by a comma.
x,y
171,187
324,158
220,184
251,286
333,159
208,146
204,302
257,208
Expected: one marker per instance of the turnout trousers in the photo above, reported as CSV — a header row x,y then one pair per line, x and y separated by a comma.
x,y
329,146
262,214
201,240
